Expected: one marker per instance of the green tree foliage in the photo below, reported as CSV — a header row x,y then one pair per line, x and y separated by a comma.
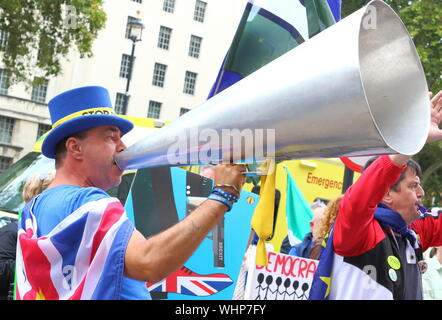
x,y
423,20
430,160
38,33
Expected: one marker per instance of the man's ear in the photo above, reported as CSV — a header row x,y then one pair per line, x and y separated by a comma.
x,y
387,199
74,147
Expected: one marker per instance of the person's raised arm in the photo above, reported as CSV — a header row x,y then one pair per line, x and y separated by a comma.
x,y
154,258
435,133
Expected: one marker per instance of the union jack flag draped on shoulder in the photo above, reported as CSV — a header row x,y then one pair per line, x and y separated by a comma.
x,y
81,258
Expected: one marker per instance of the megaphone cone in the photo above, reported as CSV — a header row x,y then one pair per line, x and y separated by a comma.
x,y
357,88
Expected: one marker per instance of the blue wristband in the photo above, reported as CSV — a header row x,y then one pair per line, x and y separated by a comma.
x,y
221,199
227,195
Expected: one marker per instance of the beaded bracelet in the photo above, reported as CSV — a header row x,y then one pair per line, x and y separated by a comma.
x,y
221,199
227,195
227,185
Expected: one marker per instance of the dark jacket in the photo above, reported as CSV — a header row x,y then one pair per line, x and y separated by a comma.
x,y
8,245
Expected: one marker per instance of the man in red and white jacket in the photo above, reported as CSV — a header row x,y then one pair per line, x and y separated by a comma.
x,y
380,232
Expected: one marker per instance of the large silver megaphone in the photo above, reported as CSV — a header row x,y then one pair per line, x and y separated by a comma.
x,y
357,88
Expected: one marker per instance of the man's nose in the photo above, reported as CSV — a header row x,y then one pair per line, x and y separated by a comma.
x,y
121,146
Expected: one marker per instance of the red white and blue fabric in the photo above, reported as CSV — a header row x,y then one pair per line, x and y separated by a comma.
x,y
81,258
185,281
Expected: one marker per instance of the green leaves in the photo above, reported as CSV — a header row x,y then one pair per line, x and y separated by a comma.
x,y
39,33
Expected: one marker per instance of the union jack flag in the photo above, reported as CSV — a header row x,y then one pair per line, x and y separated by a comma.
x,y
81,258
185,281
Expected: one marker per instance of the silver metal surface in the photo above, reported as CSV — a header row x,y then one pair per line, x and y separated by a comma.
x,y
357,88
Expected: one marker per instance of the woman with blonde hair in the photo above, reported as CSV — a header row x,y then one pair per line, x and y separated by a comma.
x,y
330,214
36,184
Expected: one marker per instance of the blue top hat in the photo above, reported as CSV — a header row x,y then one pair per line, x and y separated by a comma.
x,y
80,109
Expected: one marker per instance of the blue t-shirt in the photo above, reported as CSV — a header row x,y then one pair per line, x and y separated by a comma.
x,y
55,204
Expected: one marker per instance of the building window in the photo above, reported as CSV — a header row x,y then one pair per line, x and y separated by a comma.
x,y
159,74
125,66
39,92
6,129
121,103
4,36
200,11
195,46
183,111
5,163
42,129
164,37
169,5
154,109
189,82
4,82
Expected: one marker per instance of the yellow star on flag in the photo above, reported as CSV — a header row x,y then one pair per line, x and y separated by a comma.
x,y
327,281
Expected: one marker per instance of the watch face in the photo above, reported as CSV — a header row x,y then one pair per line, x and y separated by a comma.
x,y
423,266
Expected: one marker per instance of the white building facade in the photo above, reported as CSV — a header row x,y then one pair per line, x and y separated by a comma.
x,y
176,62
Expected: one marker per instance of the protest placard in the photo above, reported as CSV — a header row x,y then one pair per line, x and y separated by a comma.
x,y
284,278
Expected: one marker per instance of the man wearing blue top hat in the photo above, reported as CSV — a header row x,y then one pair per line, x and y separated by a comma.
x,y
74,241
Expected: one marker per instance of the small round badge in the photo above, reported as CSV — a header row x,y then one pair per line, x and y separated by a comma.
x,y
394,262
250,200
392,274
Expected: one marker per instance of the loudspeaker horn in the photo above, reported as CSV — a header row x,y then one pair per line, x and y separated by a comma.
x,y
357,88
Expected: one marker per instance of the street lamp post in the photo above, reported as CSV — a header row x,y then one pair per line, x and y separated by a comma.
x,y
135,33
